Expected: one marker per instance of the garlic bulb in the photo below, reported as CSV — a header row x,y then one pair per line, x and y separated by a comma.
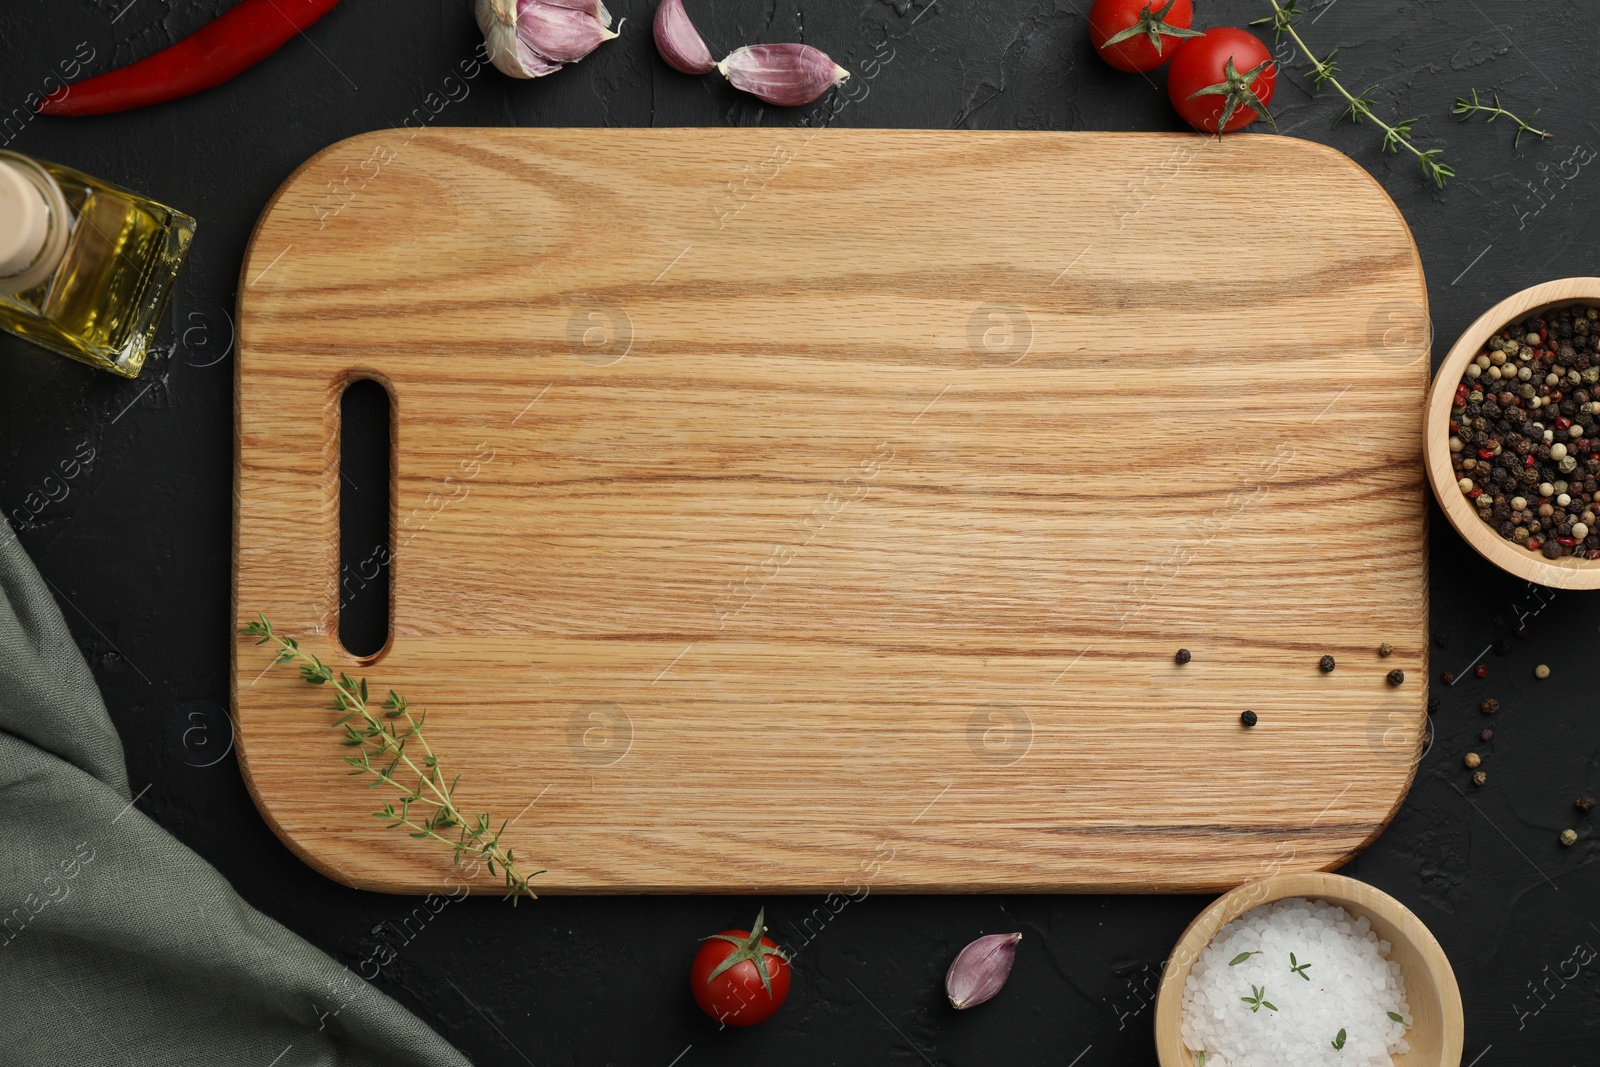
x,y
532,38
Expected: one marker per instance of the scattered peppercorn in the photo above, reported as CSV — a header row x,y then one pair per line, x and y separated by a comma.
x,y
1326,663
1386,649
1447,677
1183,656
1472,760
1503,646
1499,622
1541,672
1584,803
1521,630
1480,777
1433,705
1442,638
1569,837
1487,735
1248,718
1482,671
1489,706
1396,677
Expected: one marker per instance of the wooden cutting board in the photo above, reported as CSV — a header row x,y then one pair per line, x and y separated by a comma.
x,y
785,510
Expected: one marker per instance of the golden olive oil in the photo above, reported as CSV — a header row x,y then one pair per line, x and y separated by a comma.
x,y
104,301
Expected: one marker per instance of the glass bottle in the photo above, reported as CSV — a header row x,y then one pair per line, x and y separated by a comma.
x,y
86,268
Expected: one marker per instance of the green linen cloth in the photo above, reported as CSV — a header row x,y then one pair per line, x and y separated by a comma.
x,y
118,945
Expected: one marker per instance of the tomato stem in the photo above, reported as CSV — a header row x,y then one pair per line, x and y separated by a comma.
x,y
1237,91
749,948
1154,24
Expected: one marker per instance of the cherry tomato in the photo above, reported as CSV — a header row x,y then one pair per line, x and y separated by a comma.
x,y
1139,35
740,978
1224,76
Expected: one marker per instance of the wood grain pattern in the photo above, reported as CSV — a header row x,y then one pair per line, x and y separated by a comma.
x,y
1565,573
1432,995
803,511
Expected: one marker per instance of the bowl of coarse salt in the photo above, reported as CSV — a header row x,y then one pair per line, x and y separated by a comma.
x,y
1310,969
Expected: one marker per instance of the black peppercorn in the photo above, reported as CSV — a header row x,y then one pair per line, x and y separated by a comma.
x,y
1326,664
1489,706
1248,718
1433,705
1183,656
1503,646
1447,677
1442,638
1487,735
1584,803
1396,676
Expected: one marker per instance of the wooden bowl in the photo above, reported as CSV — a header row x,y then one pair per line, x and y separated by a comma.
x,y
1431,992
1565,573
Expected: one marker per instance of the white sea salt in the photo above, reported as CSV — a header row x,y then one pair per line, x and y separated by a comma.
x,y
1350,985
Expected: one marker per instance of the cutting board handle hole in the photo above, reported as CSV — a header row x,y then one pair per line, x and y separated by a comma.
x,y
366,525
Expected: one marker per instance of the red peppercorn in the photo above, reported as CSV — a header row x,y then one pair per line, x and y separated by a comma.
x,y
1530,460
1569,542
1482,671
1563,423
1476,493
1485,453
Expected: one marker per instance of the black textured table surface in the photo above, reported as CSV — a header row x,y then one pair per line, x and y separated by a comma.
x,y
136,542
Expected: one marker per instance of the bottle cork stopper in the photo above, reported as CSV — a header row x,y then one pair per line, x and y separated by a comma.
x,y
34,222
24,221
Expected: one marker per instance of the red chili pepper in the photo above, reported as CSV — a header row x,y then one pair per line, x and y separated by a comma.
x,y
1476,493
1530,461
217,52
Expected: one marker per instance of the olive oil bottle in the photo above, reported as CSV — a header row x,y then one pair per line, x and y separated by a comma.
x,y
86,269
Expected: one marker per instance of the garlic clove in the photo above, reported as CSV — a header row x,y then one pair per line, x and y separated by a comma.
x,y
980,970
784,74
560,34
679,43
593,7
532,38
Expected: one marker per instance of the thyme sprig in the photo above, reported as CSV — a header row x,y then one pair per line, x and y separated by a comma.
x,y
1258,999
1324,71
393,750
1466,109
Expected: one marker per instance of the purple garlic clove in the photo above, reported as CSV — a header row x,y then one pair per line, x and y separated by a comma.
x,y
981,970
679,43
787,75
593,7
532,38
560,34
